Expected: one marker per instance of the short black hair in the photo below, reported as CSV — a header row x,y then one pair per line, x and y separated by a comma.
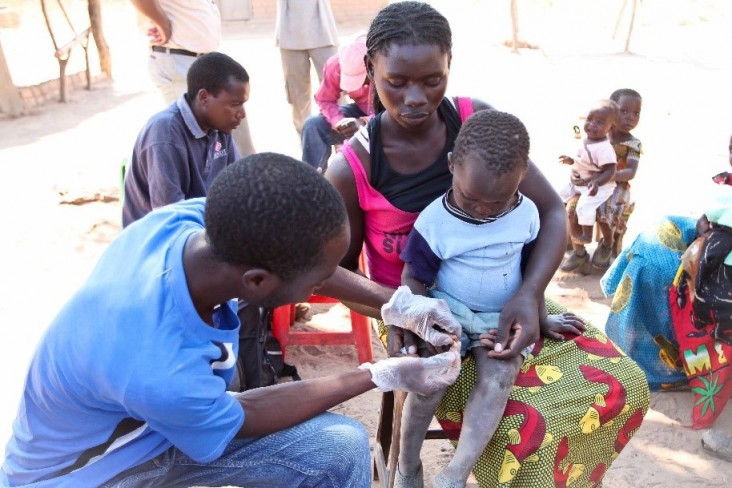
x,y
498,139
624,92
273,211
606,104
213,72
407,23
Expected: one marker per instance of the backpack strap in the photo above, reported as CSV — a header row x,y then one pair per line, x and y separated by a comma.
x,y
465,108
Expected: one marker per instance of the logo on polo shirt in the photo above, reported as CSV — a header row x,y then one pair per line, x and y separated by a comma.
x,y
219,150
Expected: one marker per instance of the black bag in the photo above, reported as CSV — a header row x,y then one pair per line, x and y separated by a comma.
x,y
260,360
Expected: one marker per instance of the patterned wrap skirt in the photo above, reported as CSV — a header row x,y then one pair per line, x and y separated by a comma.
x,y
574,407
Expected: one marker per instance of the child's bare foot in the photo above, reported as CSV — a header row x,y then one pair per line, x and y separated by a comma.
x,y
557,327
413,481
440,480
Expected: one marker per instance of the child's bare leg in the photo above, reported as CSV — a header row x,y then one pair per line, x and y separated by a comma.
x,y
416,418
575,230
607,233
586,236
483,412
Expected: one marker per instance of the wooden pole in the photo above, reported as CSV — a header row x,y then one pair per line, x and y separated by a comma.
x,y
620,17
630,28
514,26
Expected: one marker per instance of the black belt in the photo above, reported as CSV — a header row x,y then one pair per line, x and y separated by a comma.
x,y
172,50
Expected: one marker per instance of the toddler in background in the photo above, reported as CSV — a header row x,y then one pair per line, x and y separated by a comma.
x,y
593,169
612,218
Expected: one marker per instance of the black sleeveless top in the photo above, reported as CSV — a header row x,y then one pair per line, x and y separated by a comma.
x,y
413,192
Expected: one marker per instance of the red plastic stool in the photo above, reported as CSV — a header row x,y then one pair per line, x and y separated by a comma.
x,y
360,334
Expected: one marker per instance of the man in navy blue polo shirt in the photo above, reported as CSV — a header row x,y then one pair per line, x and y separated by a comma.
x,y
180,150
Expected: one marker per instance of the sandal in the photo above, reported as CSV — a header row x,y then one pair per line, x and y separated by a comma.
x,y
601,256
717,444
574,261
414,481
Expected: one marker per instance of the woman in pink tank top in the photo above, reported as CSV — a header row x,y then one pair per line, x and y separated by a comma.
x,y
410,78
402,153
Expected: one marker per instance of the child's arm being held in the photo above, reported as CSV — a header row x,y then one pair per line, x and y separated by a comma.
x,y
552,326
627,173
418,288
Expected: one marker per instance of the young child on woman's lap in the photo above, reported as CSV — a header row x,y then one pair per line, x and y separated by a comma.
x,y
467,248
592,175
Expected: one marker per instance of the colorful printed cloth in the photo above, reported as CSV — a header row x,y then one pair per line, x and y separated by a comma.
x,y
640,319
672,306
574,407
701,312
617,209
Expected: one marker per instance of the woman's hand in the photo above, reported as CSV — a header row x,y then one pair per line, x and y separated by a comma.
x,y
518,326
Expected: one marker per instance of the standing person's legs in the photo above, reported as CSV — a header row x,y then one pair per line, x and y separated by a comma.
x,y
243,138
319,56
296,68
318,137
327,451
168,72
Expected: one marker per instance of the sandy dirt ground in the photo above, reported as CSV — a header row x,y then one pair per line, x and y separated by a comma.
x,y
60,165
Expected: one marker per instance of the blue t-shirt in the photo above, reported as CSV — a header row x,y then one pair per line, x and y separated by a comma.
x,y
128,344
478,262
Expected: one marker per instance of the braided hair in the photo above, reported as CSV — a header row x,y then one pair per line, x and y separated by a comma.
x,y
406,23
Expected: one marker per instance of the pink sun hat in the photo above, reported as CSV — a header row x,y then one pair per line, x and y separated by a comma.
x,y
353,68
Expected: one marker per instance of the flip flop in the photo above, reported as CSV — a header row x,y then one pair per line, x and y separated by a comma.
x,y
717,444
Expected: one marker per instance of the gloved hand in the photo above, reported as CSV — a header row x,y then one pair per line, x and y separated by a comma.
x,y
420,314
418,375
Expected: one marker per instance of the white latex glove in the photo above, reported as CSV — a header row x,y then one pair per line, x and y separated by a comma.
x,y
418,375
419,314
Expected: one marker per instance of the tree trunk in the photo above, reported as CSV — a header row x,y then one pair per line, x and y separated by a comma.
x,y
10,101
95,21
